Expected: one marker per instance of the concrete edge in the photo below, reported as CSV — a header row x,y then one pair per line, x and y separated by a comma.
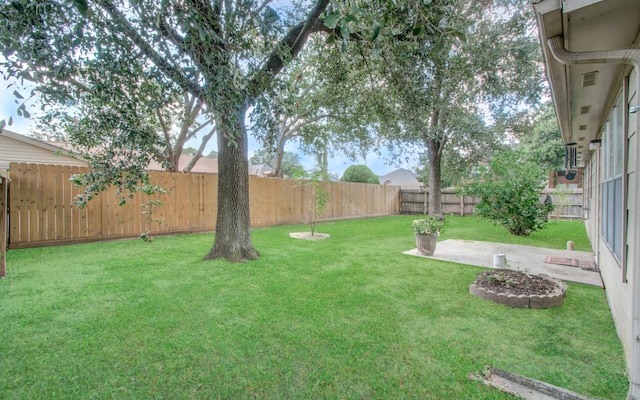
x,y
524,387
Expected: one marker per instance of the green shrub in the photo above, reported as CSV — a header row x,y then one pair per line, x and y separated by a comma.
x,y
427,226
509,192
359,173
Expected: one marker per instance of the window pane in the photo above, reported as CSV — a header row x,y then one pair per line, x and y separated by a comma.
x,y
617,219
610,149
611,212
604,153
605,212
618,132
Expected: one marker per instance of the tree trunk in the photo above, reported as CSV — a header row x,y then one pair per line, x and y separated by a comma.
x,y
277,159
233,233
435,178
172,161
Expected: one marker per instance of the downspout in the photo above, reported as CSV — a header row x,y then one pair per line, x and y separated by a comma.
x,y
624,56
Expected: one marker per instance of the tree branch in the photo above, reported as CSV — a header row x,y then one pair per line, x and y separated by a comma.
x,y
167,137
291,45
171,71
200,150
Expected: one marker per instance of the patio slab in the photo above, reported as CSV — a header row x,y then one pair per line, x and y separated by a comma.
x,y
523,258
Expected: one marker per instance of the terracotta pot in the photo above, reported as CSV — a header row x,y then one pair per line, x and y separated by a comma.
x,y
426,244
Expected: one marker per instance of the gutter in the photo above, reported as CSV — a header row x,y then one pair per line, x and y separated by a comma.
x,y
624,56
632,57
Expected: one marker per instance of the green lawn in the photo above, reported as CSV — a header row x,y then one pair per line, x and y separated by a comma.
x,y
348,317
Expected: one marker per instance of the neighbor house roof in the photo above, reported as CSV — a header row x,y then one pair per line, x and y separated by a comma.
x,y
204,165
19,148
399,177
260,170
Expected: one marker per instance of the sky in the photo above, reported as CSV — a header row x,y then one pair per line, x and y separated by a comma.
x,y
380,165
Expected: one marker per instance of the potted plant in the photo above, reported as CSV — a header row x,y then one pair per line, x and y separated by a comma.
x,y
426,230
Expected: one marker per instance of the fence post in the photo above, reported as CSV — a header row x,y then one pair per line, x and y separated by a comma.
x,y
4,191
462,206
426,202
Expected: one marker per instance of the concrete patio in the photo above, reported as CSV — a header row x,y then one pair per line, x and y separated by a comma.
x,y
523,258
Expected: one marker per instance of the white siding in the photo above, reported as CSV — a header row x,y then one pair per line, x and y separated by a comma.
x,y
16,151
618,287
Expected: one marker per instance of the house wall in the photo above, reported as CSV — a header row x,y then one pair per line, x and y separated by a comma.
x,y
591,201
632,212
618,273
12,150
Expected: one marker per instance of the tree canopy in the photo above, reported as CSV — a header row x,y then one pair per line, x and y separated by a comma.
x,y
542,142
359,173
320,100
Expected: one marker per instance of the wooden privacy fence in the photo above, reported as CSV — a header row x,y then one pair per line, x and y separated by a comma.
x,y
41,210
568,203
416,201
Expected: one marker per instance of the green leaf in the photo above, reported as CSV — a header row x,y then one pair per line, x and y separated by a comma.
x,y
376,30
82,6
3,123
350,18
345,31
332,21
17,94
270,16
417,31
10,121
358,11
438,45
459,35
17,6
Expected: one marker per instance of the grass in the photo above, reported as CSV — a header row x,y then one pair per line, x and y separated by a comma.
x,y
348,317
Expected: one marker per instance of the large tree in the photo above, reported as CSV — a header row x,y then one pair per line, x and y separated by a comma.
x,y
223,53
322,101
445,89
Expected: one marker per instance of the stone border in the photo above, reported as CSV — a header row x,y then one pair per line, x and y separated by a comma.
x,y
555,299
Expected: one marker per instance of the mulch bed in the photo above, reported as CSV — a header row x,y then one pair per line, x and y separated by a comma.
x,y
514,282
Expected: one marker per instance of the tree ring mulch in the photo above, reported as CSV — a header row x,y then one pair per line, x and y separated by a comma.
x,y
308,235
518,289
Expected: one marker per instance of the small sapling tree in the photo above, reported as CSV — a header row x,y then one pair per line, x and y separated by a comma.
x,y
319,196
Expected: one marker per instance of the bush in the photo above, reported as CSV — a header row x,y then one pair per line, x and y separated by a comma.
x,y
359,173
509,192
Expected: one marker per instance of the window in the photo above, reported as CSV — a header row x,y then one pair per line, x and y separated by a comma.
x,y
612,171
